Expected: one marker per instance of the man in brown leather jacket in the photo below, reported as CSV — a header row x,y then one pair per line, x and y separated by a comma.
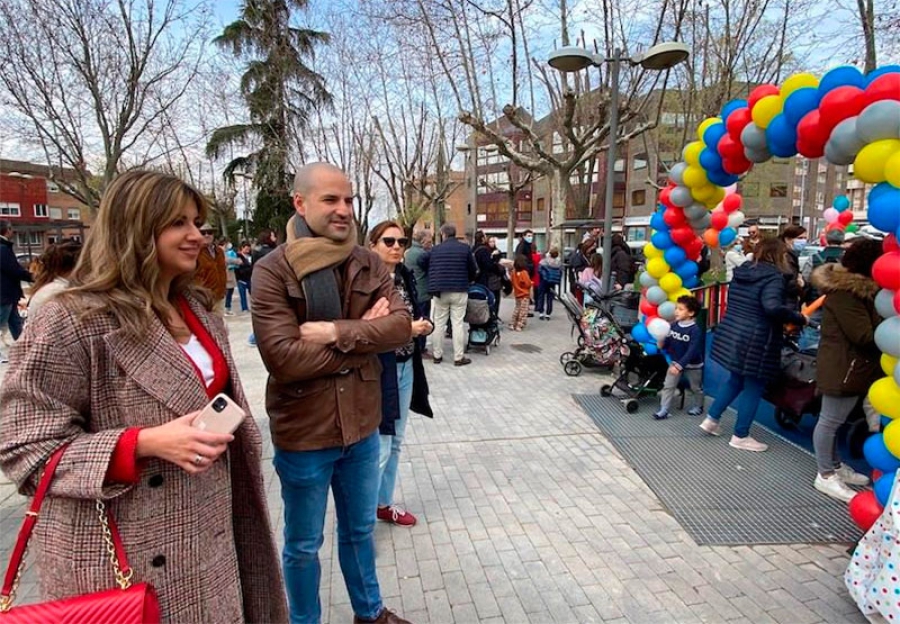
x,y
323,308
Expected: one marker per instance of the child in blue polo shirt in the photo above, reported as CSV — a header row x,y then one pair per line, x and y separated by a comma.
x,y
684,346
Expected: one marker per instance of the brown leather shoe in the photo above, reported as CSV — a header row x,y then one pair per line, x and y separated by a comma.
x,y
385,617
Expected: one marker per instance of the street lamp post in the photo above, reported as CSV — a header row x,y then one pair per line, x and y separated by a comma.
x,y
660,57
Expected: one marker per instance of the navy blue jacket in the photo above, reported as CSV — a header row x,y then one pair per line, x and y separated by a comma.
x,y
748,341
450,267
685,344
390,388
11,274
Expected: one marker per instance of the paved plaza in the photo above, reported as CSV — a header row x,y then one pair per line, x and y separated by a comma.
x,y
527,514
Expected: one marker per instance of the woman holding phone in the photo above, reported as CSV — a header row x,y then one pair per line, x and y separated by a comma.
x,y
117,368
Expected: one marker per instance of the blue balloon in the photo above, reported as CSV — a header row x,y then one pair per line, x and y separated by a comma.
x,y
841,203
883,486
781,138
674,256
884,201
714,134
661,240
687,270
878,455
692,282
727,236
799,103
658,223
730,107
639,333
847,75
885,421
710,160
881,71
650,348
721,178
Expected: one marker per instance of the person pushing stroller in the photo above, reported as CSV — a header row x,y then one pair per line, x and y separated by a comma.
x,y
684,347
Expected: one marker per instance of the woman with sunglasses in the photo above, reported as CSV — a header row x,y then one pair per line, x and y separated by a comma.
x,y
403,383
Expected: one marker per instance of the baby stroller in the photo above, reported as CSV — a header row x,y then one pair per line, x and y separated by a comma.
x,y
641,375
601,340
484,327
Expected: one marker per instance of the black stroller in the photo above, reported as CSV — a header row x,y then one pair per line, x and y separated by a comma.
x,y
484,326
641,375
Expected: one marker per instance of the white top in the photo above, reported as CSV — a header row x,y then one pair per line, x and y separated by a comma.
x,y
201,359
42,296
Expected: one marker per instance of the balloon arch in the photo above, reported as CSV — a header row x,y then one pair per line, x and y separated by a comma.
x,y
847,117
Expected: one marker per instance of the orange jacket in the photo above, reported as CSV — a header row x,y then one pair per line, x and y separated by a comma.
x,y
211,272
521,284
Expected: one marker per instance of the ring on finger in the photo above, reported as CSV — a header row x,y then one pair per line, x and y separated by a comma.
x,y
198,459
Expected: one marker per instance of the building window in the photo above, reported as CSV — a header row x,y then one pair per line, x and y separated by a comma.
x,y
778,190
40,210
74,214
55,213
540,204
638,198
28,239
52,187
51,239
10,210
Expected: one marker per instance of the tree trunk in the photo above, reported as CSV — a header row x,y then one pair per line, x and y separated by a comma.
x,y
511,221
558,211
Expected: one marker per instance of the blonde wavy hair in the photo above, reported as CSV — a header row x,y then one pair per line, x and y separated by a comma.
x,y
118,272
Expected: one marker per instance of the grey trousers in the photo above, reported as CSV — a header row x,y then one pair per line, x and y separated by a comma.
x,y
835,411
694,377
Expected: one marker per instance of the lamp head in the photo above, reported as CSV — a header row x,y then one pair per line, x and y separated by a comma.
x,y
663,56
570,59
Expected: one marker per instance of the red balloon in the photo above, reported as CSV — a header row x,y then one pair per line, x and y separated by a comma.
x,y
729,147
736,165
759,93
890,243
674,217
732,202
693,248
681,235
839,104
846,217
719,220
865,509
736,123
648,308
876,474
885,271
811,138
885,87
664,197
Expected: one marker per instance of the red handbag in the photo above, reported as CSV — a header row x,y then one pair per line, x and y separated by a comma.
x,y
129,603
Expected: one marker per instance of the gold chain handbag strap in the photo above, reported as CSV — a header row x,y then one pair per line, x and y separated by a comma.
x,y
123,577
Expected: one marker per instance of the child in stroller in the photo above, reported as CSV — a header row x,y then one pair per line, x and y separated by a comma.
x,y
601,340
484,326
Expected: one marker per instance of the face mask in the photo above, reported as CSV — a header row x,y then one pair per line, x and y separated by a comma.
x,y
799,244
528,239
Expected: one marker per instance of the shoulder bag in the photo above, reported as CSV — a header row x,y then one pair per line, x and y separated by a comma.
x,y
128,603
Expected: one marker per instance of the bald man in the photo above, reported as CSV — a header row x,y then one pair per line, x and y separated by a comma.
x,y
323,308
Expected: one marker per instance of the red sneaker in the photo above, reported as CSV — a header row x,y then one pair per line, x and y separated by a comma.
x,y
396,515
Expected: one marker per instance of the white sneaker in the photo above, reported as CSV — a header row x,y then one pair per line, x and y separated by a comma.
x,y
850,476
711,426
3,358
747,444
835,488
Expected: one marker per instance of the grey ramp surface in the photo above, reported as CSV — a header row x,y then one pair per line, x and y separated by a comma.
x,y
720,495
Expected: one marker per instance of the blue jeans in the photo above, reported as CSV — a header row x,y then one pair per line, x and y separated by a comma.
x,y
9,317
352,473
544,303
229,294
243,289
752,389
391,445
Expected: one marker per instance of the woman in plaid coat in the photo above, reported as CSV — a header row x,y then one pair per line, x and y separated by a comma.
x,y
117,367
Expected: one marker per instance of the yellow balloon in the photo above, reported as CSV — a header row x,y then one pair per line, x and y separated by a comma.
x,y
704,126
670,282
703,193
683,292
650,251
870,163
892,437
892,170
695,176
888,362
718,196
691,153
765,109
657,267
885,398
798,81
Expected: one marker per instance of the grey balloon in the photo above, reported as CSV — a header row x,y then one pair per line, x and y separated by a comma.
x,y
837,156
757,155
681,196
648,280
753,137
656,295
887,336
703,222
884,303
879,120
676,174
845,137
695,211
666,310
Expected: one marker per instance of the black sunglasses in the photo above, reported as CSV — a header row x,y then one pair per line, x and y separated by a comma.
x,y
389,241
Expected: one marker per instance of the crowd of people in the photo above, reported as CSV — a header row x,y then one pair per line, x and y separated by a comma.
x,y
338,322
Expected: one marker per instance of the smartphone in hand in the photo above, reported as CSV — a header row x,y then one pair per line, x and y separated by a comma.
x,y
221,415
